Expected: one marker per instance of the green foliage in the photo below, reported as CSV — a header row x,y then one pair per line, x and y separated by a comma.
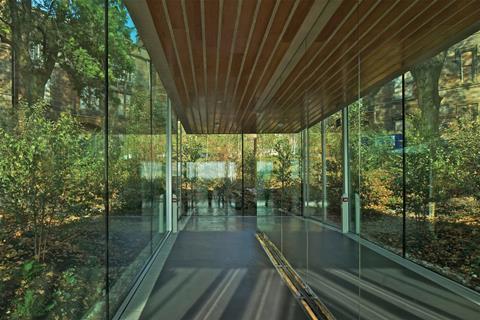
x,y
283,173
68,34
375,166
33,298
283,165
29,307
443,167
31,269
53,170
192,150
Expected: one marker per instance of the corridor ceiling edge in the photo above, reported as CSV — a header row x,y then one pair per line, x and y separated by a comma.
x,y
279,65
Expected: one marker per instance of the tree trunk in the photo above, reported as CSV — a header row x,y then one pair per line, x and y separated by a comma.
x,y
30,77
426,76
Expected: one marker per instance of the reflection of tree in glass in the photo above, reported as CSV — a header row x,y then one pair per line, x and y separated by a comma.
x,y
283,172
45,34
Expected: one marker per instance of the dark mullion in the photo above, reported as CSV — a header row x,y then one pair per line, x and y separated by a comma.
x,y
404,166
243,176
151,154
106,168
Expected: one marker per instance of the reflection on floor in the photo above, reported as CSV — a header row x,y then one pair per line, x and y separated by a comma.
x,y
361,284
202,208
217,270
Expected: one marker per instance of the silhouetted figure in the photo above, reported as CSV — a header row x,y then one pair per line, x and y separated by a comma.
x,y
221,197
210,197
267,197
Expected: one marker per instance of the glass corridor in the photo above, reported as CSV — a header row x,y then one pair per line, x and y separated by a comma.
x,y
109,209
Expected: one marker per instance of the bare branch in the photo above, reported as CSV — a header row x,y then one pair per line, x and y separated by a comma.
x,y
8,23
4,39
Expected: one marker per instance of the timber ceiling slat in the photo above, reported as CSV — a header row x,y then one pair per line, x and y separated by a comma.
x,y
255,35
164,31
469,14
417,45
193,18
366,54
318,15
331,46
264,58
216,47
248,14
369,66
335,69
257,66
339,18
230,20
265,50
272,57
232,15
190,54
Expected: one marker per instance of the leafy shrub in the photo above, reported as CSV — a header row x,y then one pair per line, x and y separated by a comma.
x,y
33,297
49,171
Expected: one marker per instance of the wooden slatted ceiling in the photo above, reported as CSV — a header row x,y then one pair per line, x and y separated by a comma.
x,y
249,66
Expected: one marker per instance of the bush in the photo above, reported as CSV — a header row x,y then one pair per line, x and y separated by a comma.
x,y
34,295
49,171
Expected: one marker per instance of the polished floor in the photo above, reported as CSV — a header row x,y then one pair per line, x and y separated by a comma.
x,y
218,270
356,282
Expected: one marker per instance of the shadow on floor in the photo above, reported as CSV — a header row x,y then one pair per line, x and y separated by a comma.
x,y
217,270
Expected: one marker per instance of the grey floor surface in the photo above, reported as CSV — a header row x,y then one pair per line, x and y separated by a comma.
x,y
218,270
356,282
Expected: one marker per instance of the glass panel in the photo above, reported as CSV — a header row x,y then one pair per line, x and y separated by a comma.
x,y
333,168
278,174
184,200
443,132
130,175
376,140
158,164
316,191
212,177
52,217
175,162
252,175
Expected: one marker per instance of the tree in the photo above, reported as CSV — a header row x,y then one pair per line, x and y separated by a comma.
x,y
192,152
49,171
426,76
283,170
46,33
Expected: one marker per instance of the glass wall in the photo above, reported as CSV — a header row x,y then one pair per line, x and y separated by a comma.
x,y
82,166
52,217
412,174
212,174
238,174
129,160
376,160
159,160
325,171
333,168
278,174
414,163
442,95
316,173
413,166
175,164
